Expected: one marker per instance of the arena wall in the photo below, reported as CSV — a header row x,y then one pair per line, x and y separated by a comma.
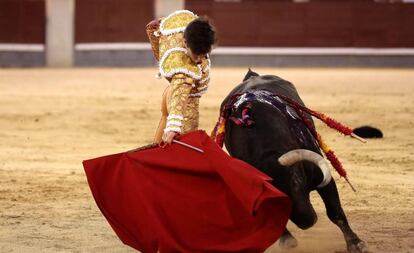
x,y
315,23
280,32
22,33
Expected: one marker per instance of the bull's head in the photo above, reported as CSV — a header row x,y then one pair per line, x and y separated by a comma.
x,y
303,214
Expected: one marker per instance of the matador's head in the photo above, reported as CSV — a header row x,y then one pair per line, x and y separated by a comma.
x,y
200,37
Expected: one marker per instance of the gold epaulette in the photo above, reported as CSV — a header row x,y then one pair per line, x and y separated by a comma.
x,y
176,22
175,61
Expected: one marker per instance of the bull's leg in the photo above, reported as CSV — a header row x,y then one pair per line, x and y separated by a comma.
x,y
336,214
287,241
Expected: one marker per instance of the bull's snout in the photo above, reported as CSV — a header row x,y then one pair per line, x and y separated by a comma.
x,y
305,218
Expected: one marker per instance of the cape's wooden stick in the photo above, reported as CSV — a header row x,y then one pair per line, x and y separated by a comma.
x,y
188,146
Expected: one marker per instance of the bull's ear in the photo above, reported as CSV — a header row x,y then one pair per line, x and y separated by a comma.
x,y
249,74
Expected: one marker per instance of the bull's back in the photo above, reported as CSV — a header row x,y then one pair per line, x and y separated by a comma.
x,y
274,84
274,132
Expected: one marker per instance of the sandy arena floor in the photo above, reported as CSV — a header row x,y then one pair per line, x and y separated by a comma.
x,y
52,119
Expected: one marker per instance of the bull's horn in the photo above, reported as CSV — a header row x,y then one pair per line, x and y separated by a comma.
x,y
298,155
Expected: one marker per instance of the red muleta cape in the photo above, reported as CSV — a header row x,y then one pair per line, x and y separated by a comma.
x,y
179,200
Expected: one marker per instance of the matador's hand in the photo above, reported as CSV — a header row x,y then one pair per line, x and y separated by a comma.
x,y
168,137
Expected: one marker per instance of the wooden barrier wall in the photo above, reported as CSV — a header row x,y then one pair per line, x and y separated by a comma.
x,y
270,23
22,21
112,20
315,23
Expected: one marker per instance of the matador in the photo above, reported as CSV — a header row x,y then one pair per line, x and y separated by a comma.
x,y
181,43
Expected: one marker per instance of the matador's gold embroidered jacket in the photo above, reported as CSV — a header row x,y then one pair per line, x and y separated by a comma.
x,y
188,81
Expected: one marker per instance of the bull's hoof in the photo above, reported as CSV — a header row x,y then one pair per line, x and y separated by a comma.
x,y
288,242
358,247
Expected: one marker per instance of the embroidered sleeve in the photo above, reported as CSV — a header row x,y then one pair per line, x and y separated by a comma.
x,y
181,86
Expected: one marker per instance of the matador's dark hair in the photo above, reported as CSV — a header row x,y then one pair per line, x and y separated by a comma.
x,y
200,36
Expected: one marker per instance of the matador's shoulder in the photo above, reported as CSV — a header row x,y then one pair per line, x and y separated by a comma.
x,y
176,61
176,22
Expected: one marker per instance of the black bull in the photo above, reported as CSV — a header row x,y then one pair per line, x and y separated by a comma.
x,y
270,137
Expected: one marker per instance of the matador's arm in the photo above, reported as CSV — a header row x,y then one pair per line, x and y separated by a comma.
x,y
180,86
152,30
